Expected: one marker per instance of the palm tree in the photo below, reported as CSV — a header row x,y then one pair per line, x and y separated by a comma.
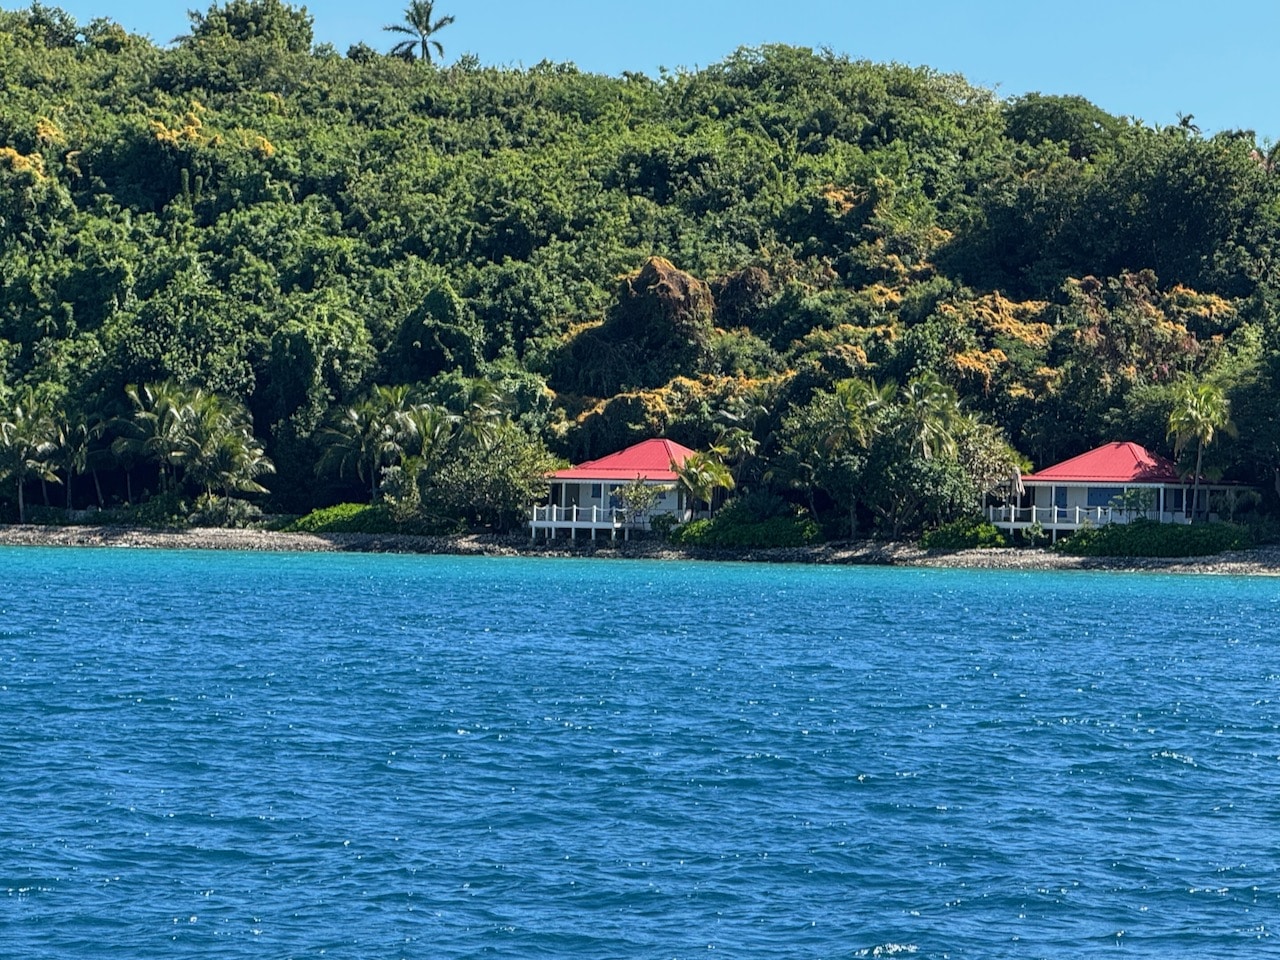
x,y
218,449
420,29
99,454
370,435
702,475
859,402
156,430
193,435
932,415
482,407
427,429
859,417
72,438
26,444
1199,412
736,446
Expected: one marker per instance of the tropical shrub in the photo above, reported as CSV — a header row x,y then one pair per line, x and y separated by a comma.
x,y
1264,530
163,511
753,522
693,533
1144,538
345,518
215,511
41,516
489,482
662,525
967,533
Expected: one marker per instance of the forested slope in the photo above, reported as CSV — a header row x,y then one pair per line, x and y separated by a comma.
x,y
876,288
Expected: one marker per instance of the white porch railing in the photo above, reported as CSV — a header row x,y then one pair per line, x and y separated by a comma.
x,y
1072,518
563,516
551,518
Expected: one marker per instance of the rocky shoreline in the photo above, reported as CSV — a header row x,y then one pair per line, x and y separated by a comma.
x,y
1263,561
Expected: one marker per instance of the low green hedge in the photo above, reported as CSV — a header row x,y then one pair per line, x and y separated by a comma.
x,y
693,533
965,534
747,534
164,511
1143,538
346,518
42,516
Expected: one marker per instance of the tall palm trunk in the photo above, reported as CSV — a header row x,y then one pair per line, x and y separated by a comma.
x,y
1195,483
97,487
22,506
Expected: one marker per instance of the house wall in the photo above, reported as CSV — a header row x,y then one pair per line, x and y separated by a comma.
x,y
1068,497
1079,496
603,495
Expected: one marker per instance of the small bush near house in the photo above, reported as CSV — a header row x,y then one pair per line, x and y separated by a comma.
x,y
693,533
662,525
1263,530
741,524
965,534
1144,538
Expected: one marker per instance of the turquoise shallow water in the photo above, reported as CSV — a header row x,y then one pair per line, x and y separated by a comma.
x,y
237,755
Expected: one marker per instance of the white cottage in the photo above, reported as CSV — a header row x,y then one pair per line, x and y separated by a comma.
x,y
585,498
1115,483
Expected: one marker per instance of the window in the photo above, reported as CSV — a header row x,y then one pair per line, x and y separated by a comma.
x,y
1102,496
615,501
1175,502
662,496
1060,497
595,490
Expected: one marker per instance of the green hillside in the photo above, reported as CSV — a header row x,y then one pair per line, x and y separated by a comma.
x,y
876,288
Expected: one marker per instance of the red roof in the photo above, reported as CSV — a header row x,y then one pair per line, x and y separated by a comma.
x,y
650,459
1112,463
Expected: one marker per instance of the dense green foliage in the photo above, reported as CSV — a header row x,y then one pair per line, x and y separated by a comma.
x,y
775,532
345,518
1146,539
963,534
753,521
872,289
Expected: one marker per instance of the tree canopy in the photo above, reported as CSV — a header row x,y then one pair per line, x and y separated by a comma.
x,y
293,232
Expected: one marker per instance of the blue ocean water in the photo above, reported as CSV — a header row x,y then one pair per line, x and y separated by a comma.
x,y
264,755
